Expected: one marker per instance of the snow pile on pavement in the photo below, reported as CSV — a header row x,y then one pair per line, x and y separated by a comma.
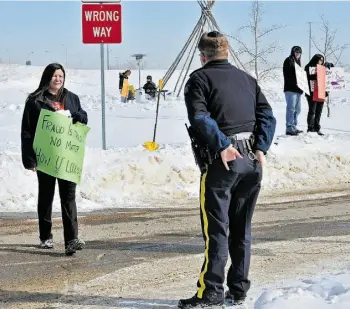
x,y
332,292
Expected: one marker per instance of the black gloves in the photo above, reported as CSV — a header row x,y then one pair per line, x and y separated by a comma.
x,y
329,65
76,117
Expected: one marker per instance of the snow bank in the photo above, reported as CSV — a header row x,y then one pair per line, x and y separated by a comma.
x,y
332,292
127,175
134,177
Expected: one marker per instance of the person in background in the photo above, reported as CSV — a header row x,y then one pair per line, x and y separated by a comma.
x,y
122,76
150,87
52,95
315,107
291,91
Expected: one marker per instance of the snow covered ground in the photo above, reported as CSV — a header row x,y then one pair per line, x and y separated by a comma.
x,y
131,288
127,175
332,292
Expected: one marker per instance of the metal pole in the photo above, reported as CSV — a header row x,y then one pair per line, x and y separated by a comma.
x,y
103,96
139,74
107,57
310,39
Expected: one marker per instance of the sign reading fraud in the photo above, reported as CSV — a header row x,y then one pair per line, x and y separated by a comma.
x,y
59,146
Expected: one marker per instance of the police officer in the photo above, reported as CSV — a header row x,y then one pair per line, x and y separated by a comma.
x,y
227,108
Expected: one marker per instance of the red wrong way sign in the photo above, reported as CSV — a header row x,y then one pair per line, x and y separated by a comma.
x,y
102,23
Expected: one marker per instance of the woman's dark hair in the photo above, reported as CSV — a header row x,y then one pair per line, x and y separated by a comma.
x,y
44,84
314,60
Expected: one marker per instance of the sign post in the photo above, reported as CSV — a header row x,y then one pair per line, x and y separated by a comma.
x,y
103,97
102,24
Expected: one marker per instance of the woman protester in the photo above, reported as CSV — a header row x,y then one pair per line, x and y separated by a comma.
x,y
315,107
53,96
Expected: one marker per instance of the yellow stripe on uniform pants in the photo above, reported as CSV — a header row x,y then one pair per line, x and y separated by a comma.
x,y
205,229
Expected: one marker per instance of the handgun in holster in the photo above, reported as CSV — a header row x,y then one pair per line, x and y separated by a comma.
x,y
200,150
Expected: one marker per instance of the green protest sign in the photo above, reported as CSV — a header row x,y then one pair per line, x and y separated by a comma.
x,y
59,146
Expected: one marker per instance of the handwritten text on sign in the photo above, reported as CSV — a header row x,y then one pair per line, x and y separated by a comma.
x,y
335,79
60,146
102,23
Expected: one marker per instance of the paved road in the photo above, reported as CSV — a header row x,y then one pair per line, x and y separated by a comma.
x,y
120,238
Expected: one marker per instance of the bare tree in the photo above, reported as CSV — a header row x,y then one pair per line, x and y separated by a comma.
x,y
331,51
327,44
257,52
346,67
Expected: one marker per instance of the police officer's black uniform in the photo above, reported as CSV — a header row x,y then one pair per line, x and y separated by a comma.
x,y
225,106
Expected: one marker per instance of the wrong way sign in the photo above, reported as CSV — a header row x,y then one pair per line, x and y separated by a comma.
x,y
102,23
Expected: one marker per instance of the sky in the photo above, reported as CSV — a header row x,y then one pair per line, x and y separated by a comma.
x,y
47,31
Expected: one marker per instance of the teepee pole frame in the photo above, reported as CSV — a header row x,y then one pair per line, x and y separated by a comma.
x,y
206,18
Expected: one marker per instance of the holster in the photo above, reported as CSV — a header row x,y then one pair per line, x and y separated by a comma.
x,y
201,151
204,156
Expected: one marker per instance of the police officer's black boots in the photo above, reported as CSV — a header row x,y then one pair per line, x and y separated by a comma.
x,y
209,300
234,300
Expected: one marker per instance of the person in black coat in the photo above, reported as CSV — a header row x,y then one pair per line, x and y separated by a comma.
x,y
52,95
232,121
292,91
150,87
315,107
